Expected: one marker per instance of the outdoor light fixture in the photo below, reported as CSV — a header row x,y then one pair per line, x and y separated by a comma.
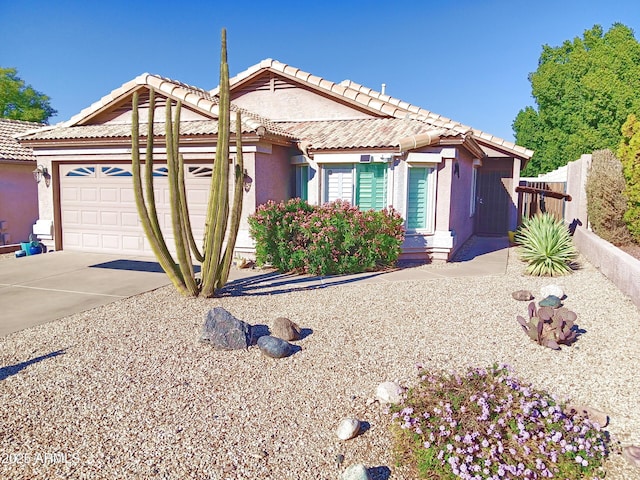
x,y
247,180
456,169
40,173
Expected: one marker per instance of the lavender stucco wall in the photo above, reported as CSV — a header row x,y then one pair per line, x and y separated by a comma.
x,y
18,200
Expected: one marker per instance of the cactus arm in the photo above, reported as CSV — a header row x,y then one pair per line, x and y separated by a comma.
x,y
185,211
236,210
217,213
150,192
163,256
180,237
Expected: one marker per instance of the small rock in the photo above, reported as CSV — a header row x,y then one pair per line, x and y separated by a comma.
x,y
551,289
550,301
274,347
389,392
224,331
632,455
356,472
522,295
348,428
593,414
286,329
245,263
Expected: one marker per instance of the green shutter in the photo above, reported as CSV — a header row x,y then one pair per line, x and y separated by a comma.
x,y
417,198
371,186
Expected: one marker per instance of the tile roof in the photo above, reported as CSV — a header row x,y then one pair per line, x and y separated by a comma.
x,y
10,149
376,101
360,133
201,100
123,130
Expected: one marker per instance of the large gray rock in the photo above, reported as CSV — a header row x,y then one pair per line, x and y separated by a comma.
x,y
224,331
274,347
285,329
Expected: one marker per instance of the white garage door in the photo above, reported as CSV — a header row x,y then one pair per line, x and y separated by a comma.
x,y
99,211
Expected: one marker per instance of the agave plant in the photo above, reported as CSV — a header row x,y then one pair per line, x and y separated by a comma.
x,y
550,327
545,244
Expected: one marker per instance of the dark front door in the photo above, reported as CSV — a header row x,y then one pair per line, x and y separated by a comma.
x,y
493,202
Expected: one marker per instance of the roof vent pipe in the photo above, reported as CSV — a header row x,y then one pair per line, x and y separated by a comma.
x,y
384,87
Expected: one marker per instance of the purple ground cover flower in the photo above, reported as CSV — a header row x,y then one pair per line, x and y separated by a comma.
x,y
488,424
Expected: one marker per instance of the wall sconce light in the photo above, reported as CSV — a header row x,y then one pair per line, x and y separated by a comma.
x,y
456,169
247,180
41,172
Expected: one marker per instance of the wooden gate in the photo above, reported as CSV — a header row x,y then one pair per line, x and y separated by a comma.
x,y
542,197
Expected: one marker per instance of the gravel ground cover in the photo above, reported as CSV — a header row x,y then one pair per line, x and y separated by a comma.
x,y
127,390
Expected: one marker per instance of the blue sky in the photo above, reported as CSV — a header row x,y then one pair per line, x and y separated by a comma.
x,y
466,60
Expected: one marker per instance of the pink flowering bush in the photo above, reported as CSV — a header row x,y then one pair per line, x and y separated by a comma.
x,y
334,238
486,424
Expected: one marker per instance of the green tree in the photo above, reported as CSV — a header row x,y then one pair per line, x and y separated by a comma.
x,y
584,90
21,102
629,155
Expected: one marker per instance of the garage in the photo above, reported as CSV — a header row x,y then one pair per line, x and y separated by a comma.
x,y
98,210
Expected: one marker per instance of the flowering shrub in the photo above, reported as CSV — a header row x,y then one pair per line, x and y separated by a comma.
x,y
334,238
486,424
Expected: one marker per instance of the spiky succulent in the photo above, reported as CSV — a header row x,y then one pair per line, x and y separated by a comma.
x,y
546,246
550,327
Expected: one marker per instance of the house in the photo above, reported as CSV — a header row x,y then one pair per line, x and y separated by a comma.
x,y
303,136
18,188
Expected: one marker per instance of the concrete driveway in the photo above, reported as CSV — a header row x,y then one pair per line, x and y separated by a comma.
x,y
41,288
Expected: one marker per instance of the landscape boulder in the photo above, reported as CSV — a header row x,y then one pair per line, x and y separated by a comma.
x,y
551,289
389,392
348,428
356,472
274,347
522,295
223,331
286,329
550,301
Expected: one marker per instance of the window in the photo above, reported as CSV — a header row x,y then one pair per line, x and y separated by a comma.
x,y
474,189
361,184
338,183
302,182
418,198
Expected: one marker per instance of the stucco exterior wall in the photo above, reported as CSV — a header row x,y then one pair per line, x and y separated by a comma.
x,y
294,103
273,176
18,201
461,222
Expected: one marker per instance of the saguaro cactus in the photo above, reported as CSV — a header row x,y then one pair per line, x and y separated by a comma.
x,y
215,261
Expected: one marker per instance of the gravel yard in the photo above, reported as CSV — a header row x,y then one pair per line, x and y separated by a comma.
x,y
128,391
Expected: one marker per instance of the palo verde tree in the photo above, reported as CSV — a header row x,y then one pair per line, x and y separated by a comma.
x,y
629,154
584,89
19,101
222,222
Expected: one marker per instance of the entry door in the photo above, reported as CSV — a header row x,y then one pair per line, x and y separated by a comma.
x,y
493,202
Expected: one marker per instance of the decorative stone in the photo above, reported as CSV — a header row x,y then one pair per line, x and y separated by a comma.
x,y
632,455
356,472
550,301
286,329
593,414
224,331
348,428
551,289
389,392
274,347
522,295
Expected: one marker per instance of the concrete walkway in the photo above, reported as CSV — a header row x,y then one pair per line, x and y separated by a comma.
x,y
41,288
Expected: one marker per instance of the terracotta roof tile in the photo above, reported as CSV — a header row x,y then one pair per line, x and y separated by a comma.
x,y
10,149
359,133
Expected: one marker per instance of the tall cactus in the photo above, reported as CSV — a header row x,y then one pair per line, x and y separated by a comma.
x,y
215,262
